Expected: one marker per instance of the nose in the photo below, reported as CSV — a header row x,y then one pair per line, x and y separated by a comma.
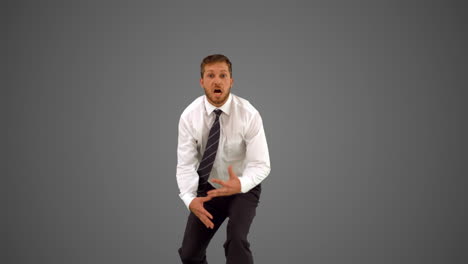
x,y
217,81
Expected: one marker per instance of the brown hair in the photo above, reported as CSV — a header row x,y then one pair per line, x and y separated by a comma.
x,y
213,59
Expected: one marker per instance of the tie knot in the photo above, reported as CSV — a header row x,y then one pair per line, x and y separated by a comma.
x,y
218,112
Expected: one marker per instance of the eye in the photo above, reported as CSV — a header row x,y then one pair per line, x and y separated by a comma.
x,y
210,75
223,75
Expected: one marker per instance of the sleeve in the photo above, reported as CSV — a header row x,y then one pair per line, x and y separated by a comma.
x,y
187,177
257,156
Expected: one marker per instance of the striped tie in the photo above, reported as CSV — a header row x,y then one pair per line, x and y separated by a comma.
x,y
209,155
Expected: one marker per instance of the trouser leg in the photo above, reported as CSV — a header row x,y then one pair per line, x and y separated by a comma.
x,y
197,236
241,213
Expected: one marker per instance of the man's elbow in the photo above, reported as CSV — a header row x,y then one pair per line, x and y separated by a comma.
x,y
267,169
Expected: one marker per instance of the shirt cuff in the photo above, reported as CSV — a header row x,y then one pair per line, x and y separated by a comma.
x,y
246,183
188,198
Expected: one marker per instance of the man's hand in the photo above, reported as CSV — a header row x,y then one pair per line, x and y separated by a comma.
x,y
196,206
230,187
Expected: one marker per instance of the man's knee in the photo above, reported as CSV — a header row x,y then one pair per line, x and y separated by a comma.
x,y
236,242
191,257
238,228
237,250
236,235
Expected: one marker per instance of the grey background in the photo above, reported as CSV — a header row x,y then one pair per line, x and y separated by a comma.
x,y
361,102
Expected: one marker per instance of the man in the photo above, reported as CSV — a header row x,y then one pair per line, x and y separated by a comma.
x,y
222,157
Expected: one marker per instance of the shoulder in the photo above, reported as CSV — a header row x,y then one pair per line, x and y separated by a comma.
x,y
244,106
193,108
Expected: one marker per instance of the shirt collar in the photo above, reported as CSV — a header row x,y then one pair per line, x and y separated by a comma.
x,y
226,107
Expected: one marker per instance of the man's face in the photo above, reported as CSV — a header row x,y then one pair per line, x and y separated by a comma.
x,y
216,82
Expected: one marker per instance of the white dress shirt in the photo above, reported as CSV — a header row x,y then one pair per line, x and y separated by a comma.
x,y
242,144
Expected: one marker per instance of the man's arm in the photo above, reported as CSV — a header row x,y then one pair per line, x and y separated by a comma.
x,y
187,177
257,155
258,162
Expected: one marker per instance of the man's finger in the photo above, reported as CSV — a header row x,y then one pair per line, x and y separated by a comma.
x,y
205,212
206,221
218,182
205,199
218,192
232,175
213,193
203,218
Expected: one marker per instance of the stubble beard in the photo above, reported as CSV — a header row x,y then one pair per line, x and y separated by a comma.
x,y
218,102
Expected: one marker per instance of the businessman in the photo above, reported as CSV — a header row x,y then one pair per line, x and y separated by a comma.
x,y
222,158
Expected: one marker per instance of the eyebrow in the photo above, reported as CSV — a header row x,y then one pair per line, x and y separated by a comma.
x,y
213,71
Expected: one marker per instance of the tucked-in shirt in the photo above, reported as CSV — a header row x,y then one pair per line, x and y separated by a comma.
x,y
242,144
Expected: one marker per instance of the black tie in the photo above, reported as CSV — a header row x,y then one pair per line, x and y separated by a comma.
x,y
209,155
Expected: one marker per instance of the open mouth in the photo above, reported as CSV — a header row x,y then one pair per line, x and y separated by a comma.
x,y
217,91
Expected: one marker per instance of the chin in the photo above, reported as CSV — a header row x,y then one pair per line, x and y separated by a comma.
x,y
218,101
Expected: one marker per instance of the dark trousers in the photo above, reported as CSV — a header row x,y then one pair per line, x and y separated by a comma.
x,y
240,209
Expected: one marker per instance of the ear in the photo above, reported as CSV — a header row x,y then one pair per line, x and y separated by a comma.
x,y
201,82
232,81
